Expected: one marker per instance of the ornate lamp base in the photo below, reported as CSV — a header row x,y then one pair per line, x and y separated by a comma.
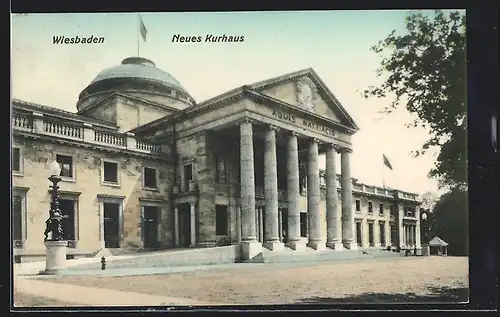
x,y
55,259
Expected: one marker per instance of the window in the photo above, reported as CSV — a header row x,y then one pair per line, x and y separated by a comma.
x,y
394,235
150,178
18,228
188,175
16,160
69,223
382,233
410,212
381,209
358,205
303,224
221,220
370,207
371,235
392,210
221,170
110,172
66,164
359,236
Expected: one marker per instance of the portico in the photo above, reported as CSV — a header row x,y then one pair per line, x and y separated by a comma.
x,y
339,234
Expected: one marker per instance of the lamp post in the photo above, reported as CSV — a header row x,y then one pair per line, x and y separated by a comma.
x,y
425,245
55,245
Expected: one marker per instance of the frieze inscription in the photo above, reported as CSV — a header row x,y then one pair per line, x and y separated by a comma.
x,y
284,116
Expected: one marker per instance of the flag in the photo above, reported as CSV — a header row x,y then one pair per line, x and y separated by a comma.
x,y
386,162
142,29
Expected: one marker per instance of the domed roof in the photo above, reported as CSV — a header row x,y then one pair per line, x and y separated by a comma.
x,y
140,68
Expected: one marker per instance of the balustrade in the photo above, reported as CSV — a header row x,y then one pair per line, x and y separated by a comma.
x,y
21,121
62,129
76,130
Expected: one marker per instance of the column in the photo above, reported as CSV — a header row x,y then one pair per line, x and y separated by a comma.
x,y
347,211
238,224
272,240
333,238
418,238
192,213
293,192
250,247
376,234
313,198
257,222
176,227
280,224
102,240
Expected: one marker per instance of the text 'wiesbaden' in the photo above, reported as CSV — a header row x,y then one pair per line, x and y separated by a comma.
x,y
209,38
77,40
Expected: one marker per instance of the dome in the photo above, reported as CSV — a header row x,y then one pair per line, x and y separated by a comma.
x,y
139,68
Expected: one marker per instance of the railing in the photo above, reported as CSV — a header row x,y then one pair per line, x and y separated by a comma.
x,y
83,132
110,138
22,122
150,147
63,129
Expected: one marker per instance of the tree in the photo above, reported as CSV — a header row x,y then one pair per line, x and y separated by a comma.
x,y
450,221
425,71
429,200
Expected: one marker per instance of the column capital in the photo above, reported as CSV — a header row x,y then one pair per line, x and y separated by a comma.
x,y
273,127
247,120
344,150
315,140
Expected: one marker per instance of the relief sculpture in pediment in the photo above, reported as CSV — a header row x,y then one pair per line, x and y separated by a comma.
x,y
307,94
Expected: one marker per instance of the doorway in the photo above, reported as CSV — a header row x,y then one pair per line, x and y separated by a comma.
x,y
184,225
67,207
284,225
112,234
150,227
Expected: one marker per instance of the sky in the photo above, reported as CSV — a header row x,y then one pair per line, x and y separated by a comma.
x,y
336,44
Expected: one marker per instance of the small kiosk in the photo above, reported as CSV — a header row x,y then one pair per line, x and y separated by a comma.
x,y
438,246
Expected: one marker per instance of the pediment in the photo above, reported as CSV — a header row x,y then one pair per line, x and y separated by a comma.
x,y
305,90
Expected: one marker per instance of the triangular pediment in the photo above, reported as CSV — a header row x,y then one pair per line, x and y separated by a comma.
x,y
305,90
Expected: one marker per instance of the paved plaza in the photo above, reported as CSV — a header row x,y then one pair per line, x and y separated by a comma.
x,y
390,279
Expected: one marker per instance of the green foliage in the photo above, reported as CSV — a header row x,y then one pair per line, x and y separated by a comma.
x,y
449,221
425,70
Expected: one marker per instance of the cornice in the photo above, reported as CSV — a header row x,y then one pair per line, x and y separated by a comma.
x,y
29,107
99,147
258,96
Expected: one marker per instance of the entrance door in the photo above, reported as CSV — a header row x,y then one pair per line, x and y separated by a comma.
x,y
184,225
284,224
150,227
111,225
67,207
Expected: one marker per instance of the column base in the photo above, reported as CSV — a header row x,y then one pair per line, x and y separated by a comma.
x,y
250,249
50,272
335,245
377,245
274,245
297,245
55,258
350,245
317,245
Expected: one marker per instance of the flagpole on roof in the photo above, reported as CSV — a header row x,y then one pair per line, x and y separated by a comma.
x,y
383,173
138,30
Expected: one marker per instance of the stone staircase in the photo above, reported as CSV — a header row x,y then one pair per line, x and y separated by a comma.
x,y
168,258
309,255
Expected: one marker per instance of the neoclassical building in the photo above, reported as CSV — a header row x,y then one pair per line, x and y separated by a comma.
x,y
145,166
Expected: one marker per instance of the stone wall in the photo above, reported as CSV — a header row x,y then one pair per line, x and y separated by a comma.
x,y
85,186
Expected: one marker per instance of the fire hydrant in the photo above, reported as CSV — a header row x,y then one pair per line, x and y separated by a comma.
x,y
103,263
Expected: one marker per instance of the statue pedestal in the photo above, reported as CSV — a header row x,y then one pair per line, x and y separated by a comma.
x,y
425,250
55,258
